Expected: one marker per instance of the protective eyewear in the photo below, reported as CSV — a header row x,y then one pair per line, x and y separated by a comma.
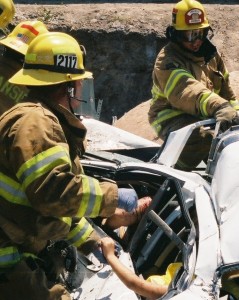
x,y
191,36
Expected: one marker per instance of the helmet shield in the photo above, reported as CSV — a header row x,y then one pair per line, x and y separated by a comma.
x,y
87,108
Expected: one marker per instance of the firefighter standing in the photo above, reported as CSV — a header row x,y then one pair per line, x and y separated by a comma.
x,y
11,59
190,82
44,193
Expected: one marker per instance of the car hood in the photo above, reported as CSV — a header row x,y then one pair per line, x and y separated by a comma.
x,y
102,136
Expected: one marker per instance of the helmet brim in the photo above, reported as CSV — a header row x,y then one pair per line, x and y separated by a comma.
x,y
14,44
40,77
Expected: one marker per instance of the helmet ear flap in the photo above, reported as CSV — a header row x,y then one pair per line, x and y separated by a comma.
x,y
171,33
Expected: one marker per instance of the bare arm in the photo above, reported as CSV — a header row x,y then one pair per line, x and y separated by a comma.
x,y
131,280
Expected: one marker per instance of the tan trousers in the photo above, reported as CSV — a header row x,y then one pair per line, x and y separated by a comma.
x,y
23,283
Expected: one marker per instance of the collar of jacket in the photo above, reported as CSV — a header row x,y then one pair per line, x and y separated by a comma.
x,y
70,121
204,55
65,117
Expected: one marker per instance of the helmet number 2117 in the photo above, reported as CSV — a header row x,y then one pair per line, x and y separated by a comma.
x,y
67,61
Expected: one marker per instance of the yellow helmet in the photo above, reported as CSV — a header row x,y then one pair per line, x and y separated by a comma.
x,y
7,11
52,58
189,15
23,34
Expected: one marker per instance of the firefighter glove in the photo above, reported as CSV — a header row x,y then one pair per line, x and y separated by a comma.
x,y
127,199
225,113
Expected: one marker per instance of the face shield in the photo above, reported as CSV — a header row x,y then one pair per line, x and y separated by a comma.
x,y
87,107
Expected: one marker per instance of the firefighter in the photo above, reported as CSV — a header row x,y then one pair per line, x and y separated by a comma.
x,y
190,82
45,195
11,59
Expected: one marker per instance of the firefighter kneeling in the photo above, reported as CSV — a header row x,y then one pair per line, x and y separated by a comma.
x,y
45,195
190,83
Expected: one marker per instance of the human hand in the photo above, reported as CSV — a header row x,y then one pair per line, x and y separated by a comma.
x,y
127,199
107,245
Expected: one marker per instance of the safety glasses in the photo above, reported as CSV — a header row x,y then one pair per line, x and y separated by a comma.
x,y
193,35
190,36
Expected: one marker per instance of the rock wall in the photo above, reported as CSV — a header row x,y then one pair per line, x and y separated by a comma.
x,y
122,67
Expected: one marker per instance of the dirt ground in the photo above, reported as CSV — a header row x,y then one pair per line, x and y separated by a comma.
x,y
143,18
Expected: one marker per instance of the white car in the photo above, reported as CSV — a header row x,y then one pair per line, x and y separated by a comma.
x,y
192,218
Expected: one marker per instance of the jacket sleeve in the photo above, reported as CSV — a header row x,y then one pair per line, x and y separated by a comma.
x,y
226,90
40,160
83,235
182,90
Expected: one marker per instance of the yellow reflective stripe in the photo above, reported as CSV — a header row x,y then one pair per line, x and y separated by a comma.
x,y
91,197
42,163
226,75
9,256
173,79
157,128
156,93
12,191
234,104
216,91
203,103
25,254
80,233
165,115
67,220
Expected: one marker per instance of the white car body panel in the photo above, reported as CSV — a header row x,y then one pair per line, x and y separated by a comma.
x,y
225,191
176,142
216,207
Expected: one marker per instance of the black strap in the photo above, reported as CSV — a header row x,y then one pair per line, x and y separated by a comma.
x,y
58,69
